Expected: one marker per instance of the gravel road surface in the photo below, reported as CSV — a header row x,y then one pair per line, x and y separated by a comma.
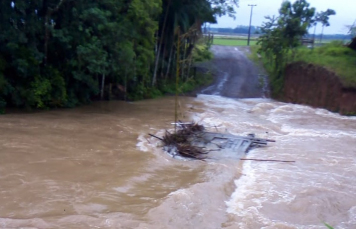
x,y
236,75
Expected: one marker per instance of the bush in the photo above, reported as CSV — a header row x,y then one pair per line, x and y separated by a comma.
x,y
335,48
202,53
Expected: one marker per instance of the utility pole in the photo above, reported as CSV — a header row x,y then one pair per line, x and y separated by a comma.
x,y
249,28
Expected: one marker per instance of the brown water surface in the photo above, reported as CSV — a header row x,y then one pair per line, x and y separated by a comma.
x,y
95,167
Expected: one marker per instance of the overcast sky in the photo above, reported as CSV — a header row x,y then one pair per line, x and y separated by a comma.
x,y
345,13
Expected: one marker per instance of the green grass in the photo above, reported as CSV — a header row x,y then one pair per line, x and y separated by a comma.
x,y
232,42
334,57
253,55
187,85
202,53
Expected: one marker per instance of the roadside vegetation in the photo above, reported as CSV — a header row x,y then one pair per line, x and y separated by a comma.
x,y
64,53
334,56
280,44
195,79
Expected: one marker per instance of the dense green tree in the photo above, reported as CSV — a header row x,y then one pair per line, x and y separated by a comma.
x,y
283,34
62,53
182,19
323,17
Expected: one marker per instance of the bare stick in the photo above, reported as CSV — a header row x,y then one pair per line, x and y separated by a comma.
x,y
246,159
156,137
148,140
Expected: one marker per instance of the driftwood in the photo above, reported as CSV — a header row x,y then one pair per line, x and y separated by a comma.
x,y
247,159
181,140
156,137
191,140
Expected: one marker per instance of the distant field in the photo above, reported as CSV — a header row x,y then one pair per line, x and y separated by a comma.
x,y
242,41
232,42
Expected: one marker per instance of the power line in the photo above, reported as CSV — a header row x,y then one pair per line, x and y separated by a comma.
x,y
249,28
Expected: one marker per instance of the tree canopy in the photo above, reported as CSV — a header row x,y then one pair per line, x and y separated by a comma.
x,y
62,53
283,34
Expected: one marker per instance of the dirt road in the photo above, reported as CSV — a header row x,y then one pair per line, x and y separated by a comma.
x,y
236,75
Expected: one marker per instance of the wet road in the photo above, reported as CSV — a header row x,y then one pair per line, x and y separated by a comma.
x,y
236,75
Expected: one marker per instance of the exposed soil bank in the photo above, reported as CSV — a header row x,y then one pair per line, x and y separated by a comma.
x,y
318,87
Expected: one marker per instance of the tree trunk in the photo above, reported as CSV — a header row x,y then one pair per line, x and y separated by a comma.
x,y
184,57
190,50
154,79
46,39
102,87
125,85
189,66
49,13
177,82
169,61
164,55
321,35
110,91
314,36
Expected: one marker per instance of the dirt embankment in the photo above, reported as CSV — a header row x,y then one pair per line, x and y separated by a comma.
x,y
318,87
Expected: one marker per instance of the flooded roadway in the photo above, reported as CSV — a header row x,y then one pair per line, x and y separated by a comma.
x,y
95,167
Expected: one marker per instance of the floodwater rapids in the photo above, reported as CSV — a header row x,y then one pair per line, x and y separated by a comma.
x,y
96,167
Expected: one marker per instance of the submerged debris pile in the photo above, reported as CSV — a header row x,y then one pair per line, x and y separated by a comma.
x,y
192,141
180,142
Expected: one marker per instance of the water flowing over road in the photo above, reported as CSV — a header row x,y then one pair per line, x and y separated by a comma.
x,y
95,167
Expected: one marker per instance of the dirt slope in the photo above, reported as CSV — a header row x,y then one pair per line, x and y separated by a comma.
x,y
318,87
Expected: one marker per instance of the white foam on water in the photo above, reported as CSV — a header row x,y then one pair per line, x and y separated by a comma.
x,y
236,203
142,143
329,114
146,143
317,188
317,133
352,216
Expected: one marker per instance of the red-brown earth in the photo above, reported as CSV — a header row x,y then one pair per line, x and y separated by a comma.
x,y
318,87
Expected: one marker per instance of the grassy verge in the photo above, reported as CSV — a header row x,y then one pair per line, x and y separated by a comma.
x,y
202,53
232,42
188,85
168,87
254,56
333,56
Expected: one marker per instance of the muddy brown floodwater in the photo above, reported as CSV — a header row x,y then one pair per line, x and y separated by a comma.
x,y
92,167
95,167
